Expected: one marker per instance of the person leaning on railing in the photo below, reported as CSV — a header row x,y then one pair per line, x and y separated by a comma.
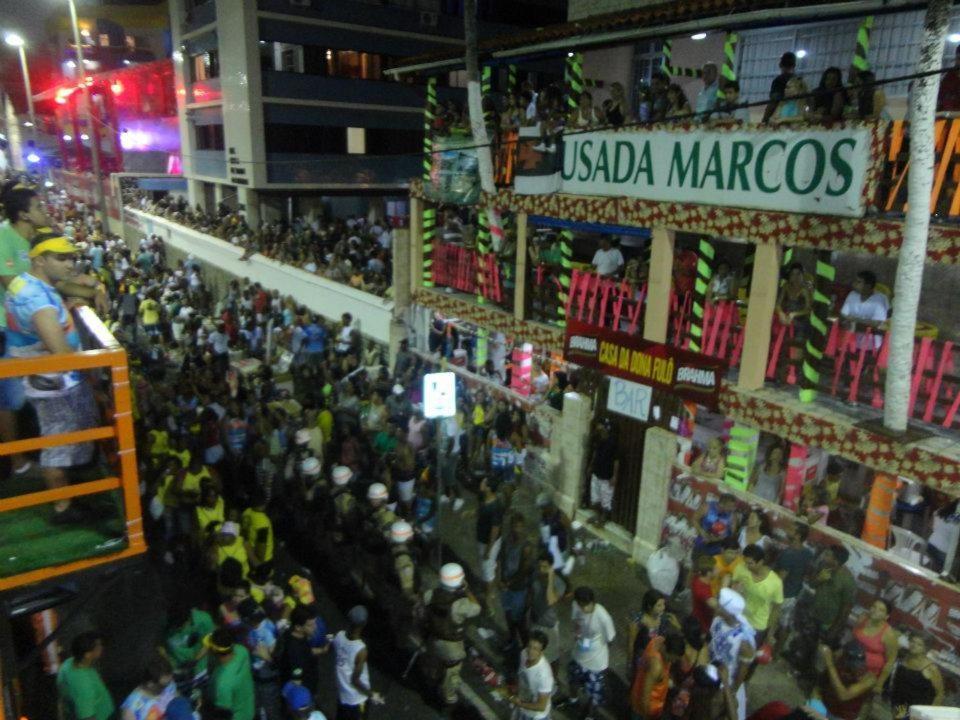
x,y
39,324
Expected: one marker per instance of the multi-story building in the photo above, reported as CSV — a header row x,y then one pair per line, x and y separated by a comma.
x,y
647,337
115,34
286,100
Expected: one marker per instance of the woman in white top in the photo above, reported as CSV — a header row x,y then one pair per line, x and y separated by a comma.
x,y
942,543
733,644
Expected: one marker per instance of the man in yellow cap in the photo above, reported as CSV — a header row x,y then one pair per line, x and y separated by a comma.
x,y
38,323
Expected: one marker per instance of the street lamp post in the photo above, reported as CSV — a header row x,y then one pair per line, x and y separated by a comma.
x,y
91,121
14,40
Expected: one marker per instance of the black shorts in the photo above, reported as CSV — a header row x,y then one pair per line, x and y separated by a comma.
x,y
351,712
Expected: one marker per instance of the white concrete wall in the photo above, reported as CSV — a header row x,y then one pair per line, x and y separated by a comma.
x,y
328,298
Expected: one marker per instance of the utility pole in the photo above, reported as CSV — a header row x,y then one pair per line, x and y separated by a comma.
x,y
92,122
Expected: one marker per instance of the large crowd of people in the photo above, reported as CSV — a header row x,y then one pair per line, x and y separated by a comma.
x,y
261,474
355,251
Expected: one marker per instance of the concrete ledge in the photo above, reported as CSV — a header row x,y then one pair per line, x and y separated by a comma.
x,y
325,297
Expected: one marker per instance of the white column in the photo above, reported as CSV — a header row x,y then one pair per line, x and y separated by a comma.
x,y
570,438
242,88
250,201
188,140
659,452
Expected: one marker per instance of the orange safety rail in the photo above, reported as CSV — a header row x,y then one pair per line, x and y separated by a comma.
x,y
111,356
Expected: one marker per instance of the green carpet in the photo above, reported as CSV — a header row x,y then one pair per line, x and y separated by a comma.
x,y
28,540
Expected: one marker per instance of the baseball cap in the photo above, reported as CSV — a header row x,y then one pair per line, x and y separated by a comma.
x,y
358,615
310,466
51,243
230,528
179,709
298,698
451,576
342,475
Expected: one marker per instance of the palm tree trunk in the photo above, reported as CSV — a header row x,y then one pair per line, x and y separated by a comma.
x,y
913,251
478,124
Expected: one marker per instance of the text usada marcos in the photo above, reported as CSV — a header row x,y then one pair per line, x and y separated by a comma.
x,y
800,166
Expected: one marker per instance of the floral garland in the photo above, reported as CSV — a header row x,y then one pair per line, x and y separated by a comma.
x,y
541,336
854,443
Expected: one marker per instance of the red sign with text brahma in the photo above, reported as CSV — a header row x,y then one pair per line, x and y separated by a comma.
x,y
688,375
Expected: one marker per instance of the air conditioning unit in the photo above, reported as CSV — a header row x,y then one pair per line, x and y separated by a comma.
x,y
429,19
300,3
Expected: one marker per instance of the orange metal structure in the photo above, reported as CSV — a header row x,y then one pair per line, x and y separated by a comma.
x,y
109,354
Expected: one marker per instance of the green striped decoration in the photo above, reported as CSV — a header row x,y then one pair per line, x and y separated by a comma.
x,y
483,248
817,340
705,255
741,455
480,347
429,213
511,79
860,61
566,268
667,67
727,71
429,235
486,85
429,115
573,74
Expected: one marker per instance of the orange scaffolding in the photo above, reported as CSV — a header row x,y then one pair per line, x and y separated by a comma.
x,y
109,354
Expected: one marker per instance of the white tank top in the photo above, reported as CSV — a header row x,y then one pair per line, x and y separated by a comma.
x,y
346,654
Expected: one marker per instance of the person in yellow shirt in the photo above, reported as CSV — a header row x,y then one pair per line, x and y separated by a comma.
x,y
195,474
209,512
726,563
257,530
229,545
325,422
158,440
178,449
149,312
762,589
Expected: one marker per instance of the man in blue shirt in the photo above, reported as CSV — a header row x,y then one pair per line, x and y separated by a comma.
x,y
707,97
38,323
315,339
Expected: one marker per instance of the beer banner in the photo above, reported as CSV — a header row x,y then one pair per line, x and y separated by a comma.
x,y
821,171
454,174
686,374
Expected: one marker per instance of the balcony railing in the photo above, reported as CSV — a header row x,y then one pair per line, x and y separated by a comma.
x,y
855,357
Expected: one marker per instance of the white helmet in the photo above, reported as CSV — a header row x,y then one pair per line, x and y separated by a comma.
x,y
451,576
377,491
310,466
401,531
302,437
341,475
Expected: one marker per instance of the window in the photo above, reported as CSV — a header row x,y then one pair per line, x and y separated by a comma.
x,y
457,78
306,139
647,59
389,141
210,137
204,66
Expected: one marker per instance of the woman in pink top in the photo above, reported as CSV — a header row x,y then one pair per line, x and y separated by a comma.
x,y
879,640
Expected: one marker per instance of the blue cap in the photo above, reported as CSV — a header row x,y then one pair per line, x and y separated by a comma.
x,y
179,709
298,698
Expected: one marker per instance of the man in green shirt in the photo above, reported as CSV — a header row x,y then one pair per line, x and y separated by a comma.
x,y
231,683
24,211
184,643
83,696
834,593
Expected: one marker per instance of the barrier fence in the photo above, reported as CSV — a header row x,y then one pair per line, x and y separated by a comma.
x,y
459,267
855,358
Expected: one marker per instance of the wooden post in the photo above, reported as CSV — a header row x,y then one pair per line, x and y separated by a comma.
x,y
416,243
520,271
764,286
660,279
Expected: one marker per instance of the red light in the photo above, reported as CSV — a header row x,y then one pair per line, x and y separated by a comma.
x,y
116,87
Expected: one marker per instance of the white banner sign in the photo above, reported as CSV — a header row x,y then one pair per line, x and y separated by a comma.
x,y
439,395
629,398
801,171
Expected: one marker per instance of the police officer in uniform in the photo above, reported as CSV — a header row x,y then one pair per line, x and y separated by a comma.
x,y
448,607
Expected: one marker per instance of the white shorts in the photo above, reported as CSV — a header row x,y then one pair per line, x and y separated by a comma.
x,y
601,493
405,490
488,566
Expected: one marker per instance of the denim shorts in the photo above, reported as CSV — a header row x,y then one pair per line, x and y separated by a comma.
x,y
11,394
